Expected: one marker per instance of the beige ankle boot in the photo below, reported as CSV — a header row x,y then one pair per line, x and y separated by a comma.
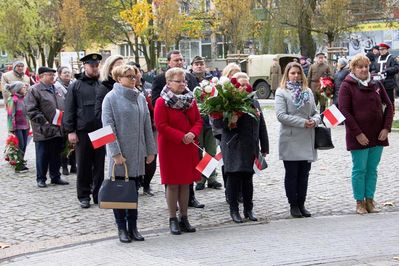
x,y
370,206
361,207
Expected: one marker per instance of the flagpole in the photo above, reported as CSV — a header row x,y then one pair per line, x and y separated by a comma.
x,y
198,146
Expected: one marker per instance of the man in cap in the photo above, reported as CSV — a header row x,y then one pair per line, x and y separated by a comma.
x,y
319,69
206,138
17,73
175,59
79,120
387,67
44,103
305,65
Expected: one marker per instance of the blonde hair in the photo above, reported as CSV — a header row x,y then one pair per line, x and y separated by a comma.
x,y
240,75
120,71
284,79
230,68
358,60
173,72
108,65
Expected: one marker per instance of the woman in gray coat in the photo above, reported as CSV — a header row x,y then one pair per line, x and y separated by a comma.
x,y
125,110
296,111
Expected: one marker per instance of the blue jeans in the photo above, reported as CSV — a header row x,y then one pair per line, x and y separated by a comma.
x,y
48,157
364,172
22,135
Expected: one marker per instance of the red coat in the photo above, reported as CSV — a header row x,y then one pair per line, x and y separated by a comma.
x,y
177,160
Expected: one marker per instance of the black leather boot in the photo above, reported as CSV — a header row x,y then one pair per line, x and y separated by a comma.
x,y
250,215
123,235
185,226
235,215
174,226
133,233
304,211
295,212
195,203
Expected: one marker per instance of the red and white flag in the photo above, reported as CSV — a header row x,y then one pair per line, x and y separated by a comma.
x,y
332,116
102,136
219,158
207,165
214,92
30,136
57,120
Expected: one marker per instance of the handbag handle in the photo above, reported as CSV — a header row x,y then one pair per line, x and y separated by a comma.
x,y
126,173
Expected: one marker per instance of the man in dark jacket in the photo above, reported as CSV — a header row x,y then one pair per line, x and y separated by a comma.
x,y
387,67
206,138
44,105
175,59
79,120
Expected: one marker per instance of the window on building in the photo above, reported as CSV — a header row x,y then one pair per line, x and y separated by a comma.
x,y
206,50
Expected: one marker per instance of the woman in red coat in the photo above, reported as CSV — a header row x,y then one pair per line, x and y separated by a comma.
x,y
179,123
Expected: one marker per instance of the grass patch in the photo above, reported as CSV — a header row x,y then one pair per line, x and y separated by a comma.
x,y
395,124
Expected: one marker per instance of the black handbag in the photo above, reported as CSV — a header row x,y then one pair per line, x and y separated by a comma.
x,y
322,140
118,193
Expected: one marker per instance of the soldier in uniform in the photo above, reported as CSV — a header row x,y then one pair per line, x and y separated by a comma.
x,y
79,120
319,69
387,67
275,74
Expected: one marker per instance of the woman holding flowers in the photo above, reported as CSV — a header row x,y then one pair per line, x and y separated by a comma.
x,y
296,111
18,123
368,112
179,124
241,135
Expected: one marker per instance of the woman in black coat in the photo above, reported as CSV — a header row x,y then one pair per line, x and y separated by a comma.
x,y
342,72
239,147
107,82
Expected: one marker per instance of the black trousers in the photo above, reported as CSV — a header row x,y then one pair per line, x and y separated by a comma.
x,y
235,182
149,173
48,157
90,163
296,181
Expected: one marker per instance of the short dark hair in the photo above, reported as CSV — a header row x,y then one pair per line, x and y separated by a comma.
x,y
169,55
59,70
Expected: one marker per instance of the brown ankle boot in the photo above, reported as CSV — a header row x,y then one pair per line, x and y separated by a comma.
x,y
361,207
370,206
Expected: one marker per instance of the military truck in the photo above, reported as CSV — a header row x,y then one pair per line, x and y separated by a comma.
x,y
258,69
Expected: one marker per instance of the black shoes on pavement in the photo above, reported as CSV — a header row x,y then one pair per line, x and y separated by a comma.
x,y
250,215
299,211
41,184
124,236
214,185
235,215
185,226
59,182
148,192
195,203
85,204
174,226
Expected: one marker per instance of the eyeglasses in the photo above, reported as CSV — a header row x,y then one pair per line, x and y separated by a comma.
x,y
180,81
131,77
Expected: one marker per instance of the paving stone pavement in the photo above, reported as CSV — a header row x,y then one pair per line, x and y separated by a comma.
x,y
333,240
33,219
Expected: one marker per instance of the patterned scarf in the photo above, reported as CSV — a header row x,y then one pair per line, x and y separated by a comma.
x,y
299,97
177,101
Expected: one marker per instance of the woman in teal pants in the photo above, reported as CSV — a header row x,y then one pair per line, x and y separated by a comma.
x,y
368,112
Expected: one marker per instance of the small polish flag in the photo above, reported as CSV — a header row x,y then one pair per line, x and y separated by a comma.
x,y
30,134
259,164
57,120
102,136
207,165
332,116
219,158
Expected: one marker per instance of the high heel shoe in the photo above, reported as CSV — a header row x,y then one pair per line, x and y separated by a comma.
x,y
250,215
185,226
174,226
235,215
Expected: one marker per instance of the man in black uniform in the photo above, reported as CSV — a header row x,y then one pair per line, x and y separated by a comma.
x,y
387,67
79,120
175,59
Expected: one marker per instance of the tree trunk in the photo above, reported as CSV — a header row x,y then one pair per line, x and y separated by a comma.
x,y
308,46
136,51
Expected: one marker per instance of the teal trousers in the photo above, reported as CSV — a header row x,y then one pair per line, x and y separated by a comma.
x,y
364,172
